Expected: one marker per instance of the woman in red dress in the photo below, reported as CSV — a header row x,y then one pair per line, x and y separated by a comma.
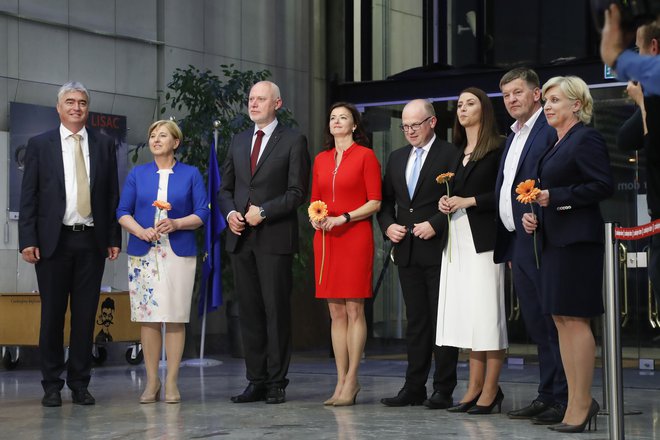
x,y
346,176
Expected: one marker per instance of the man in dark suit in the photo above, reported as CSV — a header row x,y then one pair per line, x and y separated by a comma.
x,y
67,227
265,179
530,138
409,217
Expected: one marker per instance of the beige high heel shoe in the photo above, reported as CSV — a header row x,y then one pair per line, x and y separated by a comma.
x,y
151,398
173,397
347,402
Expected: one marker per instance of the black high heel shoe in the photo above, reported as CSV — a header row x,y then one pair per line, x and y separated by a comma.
x,y
591,415
464,406
490,409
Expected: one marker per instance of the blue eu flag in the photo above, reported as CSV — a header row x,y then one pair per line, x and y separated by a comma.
x,y
211,288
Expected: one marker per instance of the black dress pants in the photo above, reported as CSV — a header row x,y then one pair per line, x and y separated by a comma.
x,y
420,286
263,285
72,274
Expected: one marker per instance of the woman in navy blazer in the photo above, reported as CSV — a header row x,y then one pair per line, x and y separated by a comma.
x,y
161,204
574,176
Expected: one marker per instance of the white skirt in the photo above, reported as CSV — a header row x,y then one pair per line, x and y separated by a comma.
x,y
471,310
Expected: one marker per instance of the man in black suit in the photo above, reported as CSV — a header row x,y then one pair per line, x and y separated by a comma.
x,y
67,227
409,217
264,181
530,138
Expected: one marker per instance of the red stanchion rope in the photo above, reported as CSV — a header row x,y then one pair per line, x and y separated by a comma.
x,y
638,232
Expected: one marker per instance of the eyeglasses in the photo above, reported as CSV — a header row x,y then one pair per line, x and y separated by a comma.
x,y
413,127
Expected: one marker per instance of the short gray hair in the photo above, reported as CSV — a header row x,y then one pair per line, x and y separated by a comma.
x,y
523,73
72,86
575,89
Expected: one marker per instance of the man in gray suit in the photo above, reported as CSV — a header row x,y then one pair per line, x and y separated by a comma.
x,y
265,179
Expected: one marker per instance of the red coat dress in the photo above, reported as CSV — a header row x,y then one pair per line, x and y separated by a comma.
x,y
349,248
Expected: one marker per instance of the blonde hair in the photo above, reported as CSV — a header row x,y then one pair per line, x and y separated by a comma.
x,y
171,126
575,89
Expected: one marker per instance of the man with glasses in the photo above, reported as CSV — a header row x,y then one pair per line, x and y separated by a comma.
x,y
410,218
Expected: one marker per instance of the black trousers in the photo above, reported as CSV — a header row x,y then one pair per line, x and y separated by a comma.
x,y
420,286
263,286
73,273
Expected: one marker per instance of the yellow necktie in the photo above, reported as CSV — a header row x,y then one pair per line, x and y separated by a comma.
x,y
84,205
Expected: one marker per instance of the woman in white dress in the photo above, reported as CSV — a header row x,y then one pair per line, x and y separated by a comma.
x,y
162,202
471,298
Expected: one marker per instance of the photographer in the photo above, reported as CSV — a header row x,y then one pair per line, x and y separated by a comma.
x,y
642,130
628,64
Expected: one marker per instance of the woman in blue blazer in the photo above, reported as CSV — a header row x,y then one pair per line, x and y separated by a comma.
x,y
161,204
574,176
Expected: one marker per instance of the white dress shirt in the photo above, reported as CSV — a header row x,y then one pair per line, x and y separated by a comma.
x,y
71,215
411,158
511,167
268,132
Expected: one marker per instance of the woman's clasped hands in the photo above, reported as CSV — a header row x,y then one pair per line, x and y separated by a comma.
x,y
328,223
449,205
164,226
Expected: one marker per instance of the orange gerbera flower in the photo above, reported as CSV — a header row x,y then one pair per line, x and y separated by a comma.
x,y
444,177
162,205
527,192
317,211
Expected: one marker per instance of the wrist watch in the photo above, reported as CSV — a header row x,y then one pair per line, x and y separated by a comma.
x,y
347,216
262,213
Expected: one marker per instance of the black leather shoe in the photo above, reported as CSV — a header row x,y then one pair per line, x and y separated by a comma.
x,y
82,397
51,399
551,416
438,401
252,393
276,395
404,398
534,409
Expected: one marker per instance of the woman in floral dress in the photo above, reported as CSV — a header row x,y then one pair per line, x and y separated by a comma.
x,y
161,204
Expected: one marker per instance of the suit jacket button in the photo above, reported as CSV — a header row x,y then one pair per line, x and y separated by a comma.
x,y
411,210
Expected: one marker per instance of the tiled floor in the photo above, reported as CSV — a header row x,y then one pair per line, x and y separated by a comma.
x,y
207,413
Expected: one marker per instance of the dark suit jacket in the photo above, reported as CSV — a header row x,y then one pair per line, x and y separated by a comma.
x,y
279,185
577,174
479,182
43,195
540,139
631,137
397,206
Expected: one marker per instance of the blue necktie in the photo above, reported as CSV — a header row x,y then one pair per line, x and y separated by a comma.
x,y
414,176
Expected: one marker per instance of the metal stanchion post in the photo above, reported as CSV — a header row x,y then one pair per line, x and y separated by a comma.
x,y
612,337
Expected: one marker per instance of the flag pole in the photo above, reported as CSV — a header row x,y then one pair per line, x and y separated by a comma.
x,y
201,362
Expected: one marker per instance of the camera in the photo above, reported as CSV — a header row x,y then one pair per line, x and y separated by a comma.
x,y
634,13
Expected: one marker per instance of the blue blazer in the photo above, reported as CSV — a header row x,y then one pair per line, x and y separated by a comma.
x,y
186,193
577,174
